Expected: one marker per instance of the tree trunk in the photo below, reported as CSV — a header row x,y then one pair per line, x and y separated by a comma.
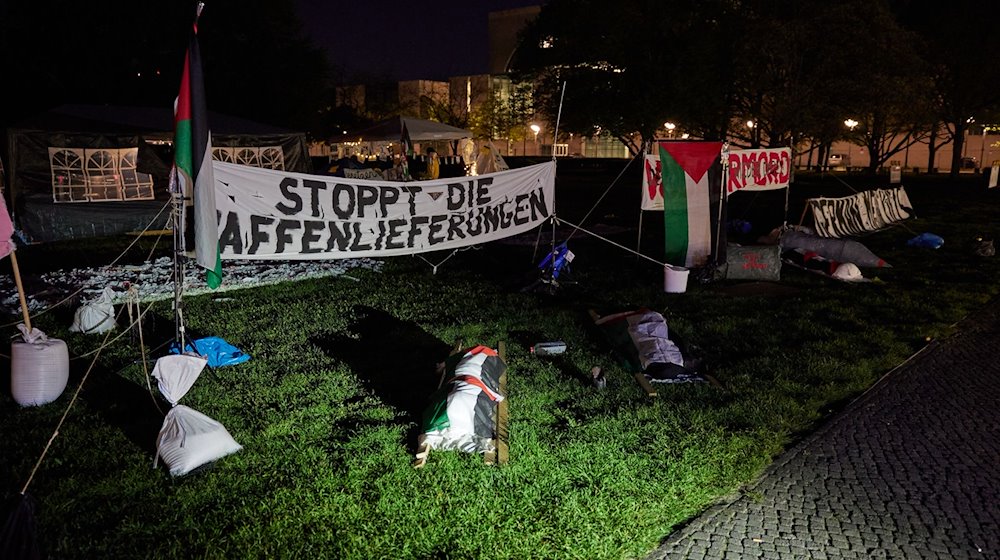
x,y
956,149
932,148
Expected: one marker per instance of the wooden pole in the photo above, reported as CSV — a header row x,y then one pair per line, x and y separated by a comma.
x,y
20,290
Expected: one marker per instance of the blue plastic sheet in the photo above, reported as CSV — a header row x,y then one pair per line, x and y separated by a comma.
x,y
926,240
557,261
218,352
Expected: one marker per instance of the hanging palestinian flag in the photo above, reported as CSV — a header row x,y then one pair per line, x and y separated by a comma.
x,y
462,413
692,201
193,164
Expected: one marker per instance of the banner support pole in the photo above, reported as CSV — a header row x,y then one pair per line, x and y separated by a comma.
x,y
724,164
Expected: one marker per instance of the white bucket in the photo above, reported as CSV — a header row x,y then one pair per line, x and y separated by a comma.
x,y
675,279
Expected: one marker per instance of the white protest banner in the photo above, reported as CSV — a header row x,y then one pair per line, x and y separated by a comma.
x,y
758,170
268,214
860,213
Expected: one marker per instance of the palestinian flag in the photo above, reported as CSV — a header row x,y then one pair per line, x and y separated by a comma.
x,y
692,200
193,165
406,147
462,413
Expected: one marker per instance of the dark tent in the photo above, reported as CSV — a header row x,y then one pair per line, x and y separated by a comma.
x,y
90,170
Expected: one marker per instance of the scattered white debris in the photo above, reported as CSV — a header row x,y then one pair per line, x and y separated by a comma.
x,y
154,280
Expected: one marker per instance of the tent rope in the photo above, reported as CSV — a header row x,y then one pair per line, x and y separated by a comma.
x,y
133,299
606,191
62,420
619,245
434,267
114,262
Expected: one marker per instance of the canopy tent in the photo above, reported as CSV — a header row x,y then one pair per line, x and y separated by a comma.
x,y
391,130
93,170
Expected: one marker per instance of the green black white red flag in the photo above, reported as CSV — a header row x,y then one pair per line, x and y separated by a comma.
x,y
406,147
692,201
193,163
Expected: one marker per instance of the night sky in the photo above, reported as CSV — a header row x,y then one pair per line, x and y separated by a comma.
x,y
404,40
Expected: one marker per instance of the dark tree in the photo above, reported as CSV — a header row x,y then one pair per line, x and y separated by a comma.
x,y
257,61
960,43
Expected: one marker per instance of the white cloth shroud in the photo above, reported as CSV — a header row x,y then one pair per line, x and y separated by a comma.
x,y
648,330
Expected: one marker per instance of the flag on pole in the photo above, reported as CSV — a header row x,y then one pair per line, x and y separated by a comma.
x,y
406,146
193,161
691,174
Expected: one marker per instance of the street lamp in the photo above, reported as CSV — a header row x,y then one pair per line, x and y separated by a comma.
x,y
850,123
670,128
536,129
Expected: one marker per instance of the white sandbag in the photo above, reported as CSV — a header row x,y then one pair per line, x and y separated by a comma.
x,y
176,373
95,316
189,439
39,368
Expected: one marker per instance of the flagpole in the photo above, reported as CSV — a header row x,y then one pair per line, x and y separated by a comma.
x,y
179,210
724,156
20,290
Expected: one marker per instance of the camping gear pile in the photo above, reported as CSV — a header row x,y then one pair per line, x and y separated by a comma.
x,y
840,259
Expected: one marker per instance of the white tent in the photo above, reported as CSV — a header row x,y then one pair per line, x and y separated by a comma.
x,y
391,130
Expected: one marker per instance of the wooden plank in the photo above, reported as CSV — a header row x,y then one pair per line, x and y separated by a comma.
x,y
645,384
423,453
503,431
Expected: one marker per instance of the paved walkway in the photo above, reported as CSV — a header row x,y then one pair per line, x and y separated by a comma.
x,y
910,470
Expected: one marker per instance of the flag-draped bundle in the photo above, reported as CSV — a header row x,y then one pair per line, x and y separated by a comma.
x,y
691,173
193,163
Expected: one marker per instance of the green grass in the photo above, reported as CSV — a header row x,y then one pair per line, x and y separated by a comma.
x,y
328,407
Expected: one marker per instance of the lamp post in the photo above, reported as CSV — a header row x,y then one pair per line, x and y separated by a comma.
x,y
753,137
851,124
670,128
536,129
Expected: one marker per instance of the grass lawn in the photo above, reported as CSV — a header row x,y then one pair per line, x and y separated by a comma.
x,y
328,408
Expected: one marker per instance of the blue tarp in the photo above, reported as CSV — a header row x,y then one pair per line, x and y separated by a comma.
x,y
218,352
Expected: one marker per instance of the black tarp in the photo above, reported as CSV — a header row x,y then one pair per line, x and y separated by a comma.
x,y
29,176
